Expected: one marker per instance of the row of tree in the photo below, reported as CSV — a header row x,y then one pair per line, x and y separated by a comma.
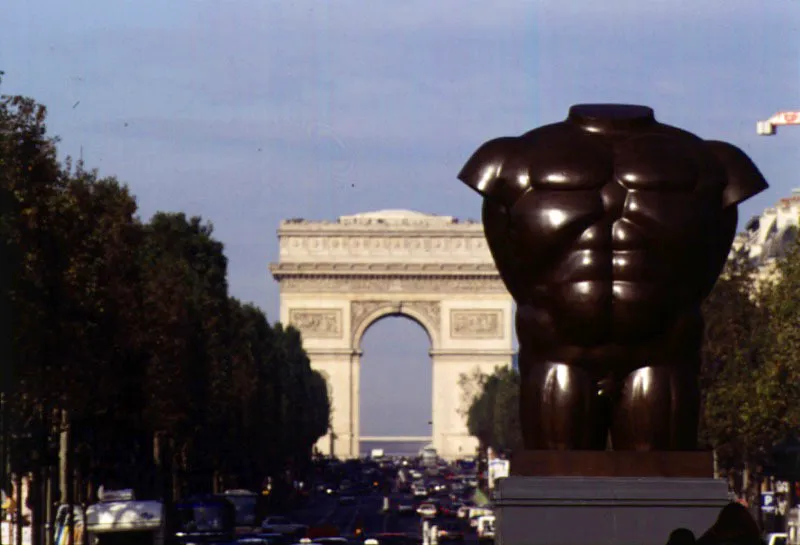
x,y
750,376
128,328
751,366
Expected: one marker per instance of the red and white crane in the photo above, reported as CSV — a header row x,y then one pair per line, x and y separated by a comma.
x,y
768,127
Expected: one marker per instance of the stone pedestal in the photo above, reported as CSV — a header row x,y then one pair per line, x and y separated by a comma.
x,y
604,510
606,498
588,463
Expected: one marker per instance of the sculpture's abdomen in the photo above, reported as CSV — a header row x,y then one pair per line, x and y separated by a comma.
x,y
619,278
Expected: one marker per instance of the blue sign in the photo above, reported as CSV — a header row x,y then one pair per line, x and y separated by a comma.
x,y
768,503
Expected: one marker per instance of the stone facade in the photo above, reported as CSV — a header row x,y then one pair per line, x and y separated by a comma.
x,y
768,235
337,278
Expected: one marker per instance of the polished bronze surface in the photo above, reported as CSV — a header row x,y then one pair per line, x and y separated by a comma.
x,y
609,229
600,463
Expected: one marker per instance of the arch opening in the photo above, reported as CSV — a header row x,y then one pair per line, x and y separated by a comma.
x,y
406,310
388,316
395,384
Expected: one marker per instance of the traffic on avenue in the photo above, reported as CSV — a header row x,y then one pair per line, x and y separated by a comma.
x,y
375,500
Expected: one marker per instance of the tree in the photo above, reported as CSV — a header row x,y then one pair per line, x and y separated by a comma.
x,y
508,432
732,356
32,185
247,385
99,319
189,374
751,366
300,429
493,413
778,385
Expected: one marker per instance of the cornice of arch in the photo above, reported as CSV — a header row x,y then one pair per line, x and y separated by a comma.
x,y
283,270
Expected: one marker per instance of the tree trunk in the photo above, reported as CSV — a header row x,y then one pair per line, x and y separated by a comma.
x,y
35,499
162,456
4,443
216,478
63,455
20,507
48,506
174,470
65,476
746,480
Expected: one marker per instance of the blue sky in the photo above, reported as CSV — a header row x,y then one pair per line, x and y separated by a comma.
x,y
249,111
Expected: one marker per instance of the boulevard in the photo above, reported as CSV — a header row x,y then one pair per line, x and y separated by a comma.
x,y
390,501
366,511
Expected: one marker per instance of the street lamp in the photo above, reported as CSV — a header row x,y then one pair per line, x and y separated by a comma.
x,y
769,127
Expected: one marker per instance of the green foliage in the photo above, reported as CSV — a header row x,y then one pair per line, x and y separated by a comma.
x,y
751,362
779,382
733,352
130,328
493,413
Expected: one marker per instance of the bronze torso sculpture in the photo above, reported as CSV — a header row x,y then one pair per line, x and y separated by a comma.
x,y
609,229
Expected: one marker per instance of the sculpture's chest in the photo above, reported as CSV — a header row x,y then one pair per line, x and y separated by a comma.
x,y
652,181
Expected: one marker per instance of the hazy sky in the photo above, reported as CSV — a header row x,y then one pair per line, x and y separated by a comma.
x,y
249,111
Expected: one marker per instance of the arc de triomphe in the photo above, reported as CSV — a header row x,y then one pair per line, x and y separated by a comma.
x,y
338,278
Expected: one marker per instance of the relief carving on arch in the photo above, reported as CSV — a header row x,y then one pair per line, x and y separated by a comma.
x,y
317,322
476,324
430,311
360,309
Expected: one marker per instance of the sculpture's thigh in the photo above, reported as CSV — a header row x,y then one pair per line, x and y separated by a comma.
x,y
658,409
560,408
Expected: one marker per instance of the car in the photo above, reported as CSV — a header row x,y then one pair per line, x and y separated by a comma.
x,y
776,538
251,540
405,507
328,488
388,538
485,528
347,500
476,513
448,509
271,538
282,525
450,531
427,510
331,541
322,531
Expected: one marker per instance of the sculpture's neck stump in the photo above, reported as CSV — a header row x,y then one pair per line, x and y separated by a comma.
x,y
611,117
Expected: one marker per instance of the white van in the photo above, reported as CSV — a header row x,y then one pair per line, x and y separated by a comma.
x,y
125,523
475,513
486,527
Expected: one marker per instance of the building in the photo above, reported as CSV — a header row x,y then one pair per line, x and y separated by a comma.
x,y
769,235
